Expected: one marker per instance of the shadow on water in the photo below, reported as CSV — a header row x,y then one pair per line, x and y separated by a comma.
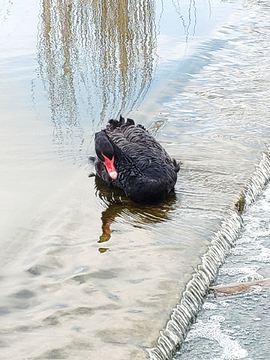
x,y
118,205
96,59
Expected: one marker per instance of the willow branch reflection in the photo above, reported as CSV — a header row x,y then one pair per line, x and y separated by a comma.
x,y
118,205
96,58
191,10
5,10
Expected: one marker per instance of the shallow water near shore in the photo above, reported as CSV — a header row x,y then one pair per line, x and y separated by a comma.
x,y
86,273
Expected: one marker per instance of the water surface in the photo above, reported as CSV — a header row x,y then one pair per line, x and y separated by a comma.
x,y
84,271
237,326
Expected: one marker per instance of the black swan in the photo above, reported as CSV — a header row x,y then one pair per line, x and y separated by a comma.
x,y
129,158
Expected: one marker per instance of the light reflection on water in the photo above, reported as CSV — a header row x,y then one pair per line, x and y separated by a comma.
x,y
85,271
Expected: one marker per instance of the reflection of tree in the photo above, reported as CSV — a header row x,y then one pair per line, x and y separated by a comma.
x,y
191,10
124,44
95,55
5,9
56,68
118,205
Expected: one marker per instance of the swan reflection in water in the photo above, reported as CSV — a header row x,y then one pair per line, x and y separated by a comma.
x,y
119,205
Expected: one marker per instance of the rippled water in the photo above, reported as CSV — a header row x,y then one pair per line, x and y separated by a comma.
x,y
84,271
237,326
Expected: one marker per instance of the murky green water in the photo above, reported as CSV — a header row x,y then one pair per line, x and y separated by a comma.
x,y
85,273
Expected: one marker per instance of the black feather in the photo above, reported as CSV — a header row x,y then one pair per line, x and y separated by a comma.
x,y
145,170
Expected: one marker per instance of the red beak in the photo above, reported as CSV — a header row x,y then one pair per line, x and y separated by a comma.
x,y
110,167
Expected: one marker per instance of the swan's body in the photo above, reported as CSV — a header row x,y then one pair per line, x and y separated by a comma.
x,y
129,158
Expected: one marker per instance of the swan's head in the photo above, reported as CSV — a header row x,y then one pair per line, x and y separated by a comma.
x,y
105,153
